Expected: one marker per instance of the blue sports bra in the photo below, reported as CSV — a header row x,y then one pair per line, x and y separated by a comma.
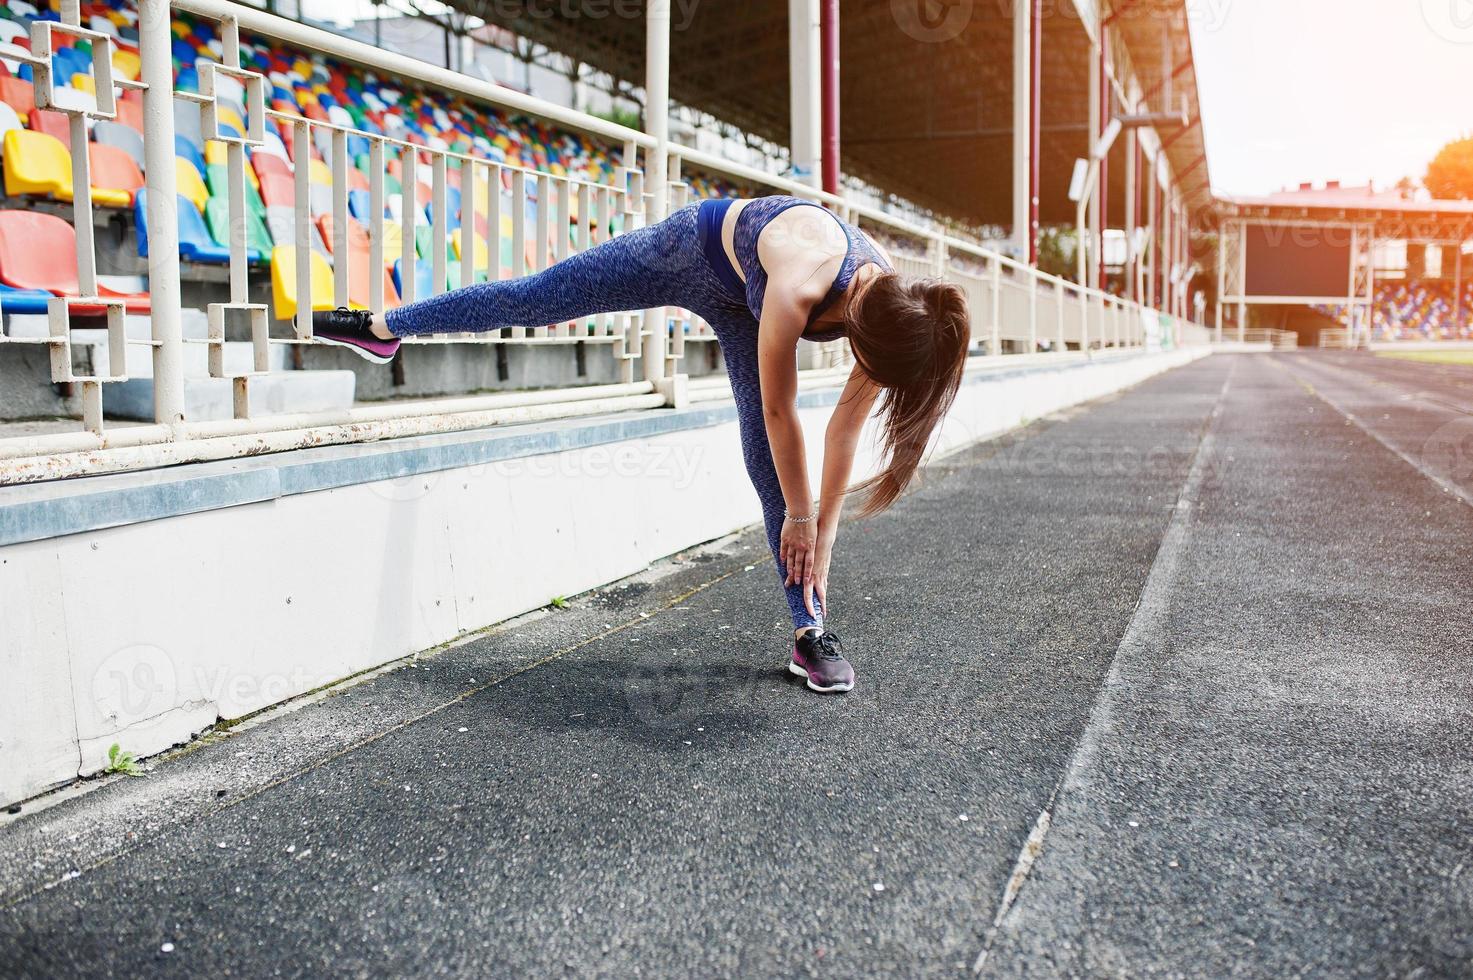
x,y
756,216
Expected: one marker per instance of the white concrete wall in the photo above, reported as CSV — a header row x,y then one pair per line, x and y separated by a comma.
x,y
148,633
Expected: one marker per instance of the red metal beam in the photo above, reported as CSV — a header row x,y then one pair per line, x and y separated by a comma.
x,y
829,56
1162,82
1182,177
1035,124
1115,14
1191,125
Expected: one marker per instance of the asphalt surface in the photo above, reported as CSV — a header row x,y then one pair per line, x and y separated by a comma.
x,y
1178,684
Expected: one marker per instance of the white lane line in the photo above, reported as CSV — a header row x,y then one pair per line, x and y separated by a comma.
x,y
1146,627
1445,485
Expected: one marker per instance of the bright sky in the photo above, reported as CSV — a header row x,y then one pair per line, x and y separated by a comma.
x,y
1348,90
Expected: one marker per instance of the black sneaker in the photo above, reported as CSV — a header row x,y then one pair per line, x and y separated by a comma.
x,y
343,327
820,658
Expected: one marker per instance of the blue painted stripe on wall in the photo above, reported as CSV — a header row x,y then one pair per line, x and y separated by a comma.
x,y
48,510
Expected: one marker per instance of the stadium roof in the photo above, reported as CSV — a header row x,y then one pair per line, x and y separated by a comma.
x,y
928,120
1395,217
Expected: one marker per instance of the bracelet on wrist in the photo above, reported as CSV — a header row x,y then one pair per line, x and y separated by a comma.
x,y
797,519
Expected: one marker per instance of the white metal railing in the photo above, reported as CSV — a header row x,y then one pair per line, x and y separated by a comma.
x,y
1014,306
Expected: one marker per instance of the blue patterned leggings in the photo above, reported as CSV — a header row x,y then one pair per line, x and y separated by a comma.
x,y
660,265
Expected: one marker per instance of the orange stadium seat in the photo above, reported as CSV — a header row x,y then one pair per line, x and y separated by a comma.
x,y
39,251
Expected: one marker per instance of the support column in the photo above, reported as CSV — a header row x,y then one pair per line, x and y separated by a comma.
x,y
1148,279
1035,125
1132,211
1101,275
805,89
1153,215
1022,130
154,40
829,156
1096,125
1457,289
657,169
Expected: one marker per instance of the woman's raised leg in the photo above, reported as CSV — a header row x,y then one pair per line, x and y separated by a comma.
x,y
660,265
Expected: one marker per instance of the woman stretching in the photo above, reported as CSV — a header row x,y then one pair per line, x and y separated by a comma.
x,y
765,273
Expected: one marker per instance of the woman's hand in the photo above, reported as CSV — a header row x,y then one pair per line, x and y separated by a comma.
x,y
797,550
818,583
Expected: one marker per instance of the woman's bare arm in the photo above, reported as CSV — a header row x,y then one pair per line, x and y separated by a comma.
x,y
840,442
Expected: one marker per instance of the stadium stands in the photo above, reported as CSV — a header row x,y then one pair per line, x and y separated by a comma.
x,y
1419,309
37,160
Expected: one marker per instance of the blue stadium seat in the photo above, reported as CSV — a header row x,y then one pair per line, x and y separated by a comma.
x,y
13,300
195,243
424,278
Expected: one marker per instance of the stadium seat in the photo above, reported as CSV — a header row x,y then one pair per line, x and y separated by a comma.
x,y
36,164
282,223
278,190
319,172
424,278
266,163
358,264
114,171
8,119
190,184
10,31
126,63
195,241
130,114
284,282
39,252
125,138
188,151
187,124
53,124
14,300
258,238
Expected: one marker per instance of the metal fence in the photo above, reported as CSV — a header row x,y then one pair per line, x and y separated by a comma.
x,y
1015,308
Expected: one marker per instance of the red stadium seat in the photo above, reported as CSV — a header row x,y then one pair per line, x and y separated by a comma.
x,y
39,251
52,124
130,114
113,169
278,190
19,94
268,163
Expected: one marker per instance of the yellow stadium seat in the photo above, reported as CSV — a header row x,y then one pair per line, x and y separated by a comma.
x,y
84,83
393,241
228,116
319,172
36,164
189,183
284,282
126,63
481,248
218,154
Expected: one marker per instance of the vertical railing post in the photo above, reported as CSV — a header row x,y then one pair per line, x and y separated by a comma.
x,y
996,306
157,72
657,189
1032,310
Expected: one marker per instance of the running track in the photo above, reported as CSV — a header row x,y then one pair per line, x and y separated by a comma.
x,y
1181,683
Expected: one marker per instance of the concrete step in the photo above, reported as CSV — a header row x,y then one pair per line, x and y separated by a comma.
x,y
90,354
193,324
211,399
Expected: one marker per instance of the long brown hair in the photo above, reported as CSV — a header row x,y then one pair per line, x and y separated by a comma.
x,y
910,335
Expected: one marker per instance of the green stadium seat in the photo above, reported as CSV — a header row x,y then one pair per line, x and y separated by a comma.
x,y
258,239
